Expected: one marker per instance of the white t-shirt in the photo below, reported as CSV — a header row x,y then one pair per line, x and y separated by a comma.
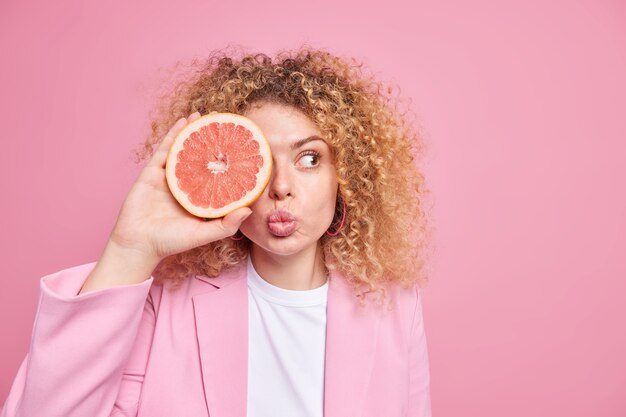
x,y
286,350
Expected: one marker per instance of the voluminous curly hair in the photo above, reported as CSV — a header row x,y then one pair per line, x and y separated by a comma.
x,y
385,235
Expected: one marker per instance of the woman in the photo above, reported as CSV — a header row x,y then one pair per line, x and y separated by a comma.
x,y
306,303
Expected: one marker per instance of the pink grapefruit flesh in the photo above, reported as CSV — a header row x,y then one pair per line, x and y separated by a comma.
x,y
218,163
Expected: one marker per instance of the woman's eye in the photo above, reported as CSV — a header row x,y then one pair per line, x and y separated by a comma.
x,y
311,158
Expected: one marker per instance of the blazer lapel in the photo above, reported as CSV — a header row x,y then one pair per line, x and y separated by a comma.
x,y
351,335
222,330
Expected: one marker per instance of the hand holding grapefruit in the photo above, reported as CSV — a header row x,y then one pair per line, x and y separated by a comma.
x,y
152,222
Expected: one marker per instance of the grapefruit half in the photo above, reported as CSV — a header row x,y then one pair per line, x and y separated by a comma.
x,y
218,163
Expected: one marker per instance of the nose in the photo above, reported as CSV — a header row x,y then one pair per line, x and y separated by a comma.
x,y
280,184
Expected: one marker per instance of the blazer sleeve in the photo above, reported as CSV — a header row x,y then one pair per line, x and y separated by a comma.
x,y
80,348
419,370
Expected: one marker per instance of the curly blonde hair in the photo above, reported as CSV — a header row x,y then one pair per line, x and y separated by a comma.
x,y
385,235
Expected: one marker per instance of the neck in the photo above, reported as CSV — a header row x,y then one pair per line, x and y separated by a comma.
x,y
301,271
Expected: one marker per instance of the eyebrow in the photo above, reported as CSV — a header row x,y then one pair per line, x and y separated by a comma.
x,y
299,143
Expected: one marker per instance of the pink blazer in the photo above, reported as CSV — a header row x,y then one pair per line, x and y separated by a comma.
x,y
141,350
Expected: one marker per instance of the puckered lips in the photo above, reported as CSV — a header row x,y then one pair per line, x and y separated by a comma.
x,y
281,222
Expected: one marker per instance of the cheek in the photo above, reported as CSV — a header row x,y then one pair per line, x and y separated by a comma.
x,y
258,207
325,206
252,222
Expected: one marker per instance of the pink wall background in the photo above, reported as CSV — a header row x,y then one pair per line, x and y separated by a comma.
x,y
523,105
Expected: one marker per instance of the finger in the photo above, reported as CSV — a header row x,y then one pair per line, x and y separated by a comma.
x,y
193,116
220,228
160,154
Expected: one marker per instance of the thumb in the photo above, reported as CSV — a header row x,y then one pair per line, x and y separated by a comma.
x,y
220,228
233,220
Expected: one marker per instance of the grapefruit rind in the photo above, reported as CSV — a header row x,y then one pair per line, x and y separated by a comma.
x,y
262,177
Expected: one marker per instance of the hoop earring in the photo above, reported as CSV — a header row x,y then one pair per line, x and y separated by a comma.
x,y
343,218
236,238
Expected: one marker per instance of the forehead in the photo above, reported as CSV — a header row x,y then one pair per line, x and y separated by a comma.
x,y
283,125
